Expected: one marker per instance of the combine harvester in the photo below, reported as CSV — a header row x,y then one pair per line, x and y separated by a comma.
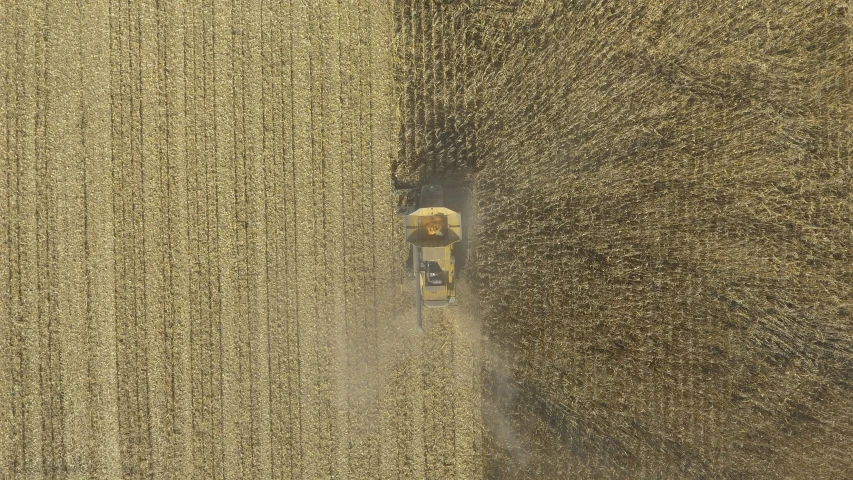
x,y
432,230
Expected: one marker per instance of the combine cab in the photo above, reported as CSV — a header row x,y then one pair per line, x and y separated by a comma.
x,y
432,230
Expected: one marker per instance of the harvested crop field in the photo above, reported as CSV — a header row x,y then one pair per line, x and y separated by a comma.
x,y
199,272
664,238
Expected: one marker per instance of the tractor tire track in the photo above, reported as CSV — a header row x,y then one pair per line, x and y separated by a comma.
x,y
102,402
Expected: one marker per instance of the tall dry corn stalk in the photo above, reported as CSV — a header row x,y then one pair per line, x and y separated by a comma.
x,y
666,226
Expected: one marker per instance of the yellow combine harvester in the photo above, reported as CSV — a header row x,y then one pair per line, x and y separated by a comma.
x,y
432,230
